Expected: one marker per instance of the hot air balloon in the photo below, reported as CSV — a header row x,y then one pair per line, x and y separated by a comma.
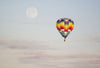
x,y
64,26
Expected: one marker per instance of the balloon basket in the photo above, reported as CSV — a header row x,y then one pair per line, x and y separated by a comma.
x,y
64,40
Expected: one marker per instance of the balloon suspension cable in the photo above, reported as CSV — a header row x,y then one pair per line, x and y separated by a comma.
x,y
64,39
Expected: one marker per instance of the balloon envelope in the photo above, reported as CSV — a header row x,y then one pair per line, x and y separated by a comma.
x,y
64,26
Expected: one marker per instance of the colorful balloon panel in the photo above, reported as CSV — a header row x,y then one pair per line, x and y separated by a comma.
x,y
64,26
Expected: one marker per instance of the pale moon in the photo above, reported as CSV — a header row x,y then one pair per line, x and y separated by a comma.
x,y
31,12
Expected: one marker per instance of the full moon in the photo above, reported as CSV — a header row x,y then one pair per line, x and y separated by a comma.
x,y
31,12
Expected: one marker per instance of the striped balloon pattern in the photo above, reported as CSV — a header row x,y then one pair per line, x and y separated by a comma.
x,y
64,26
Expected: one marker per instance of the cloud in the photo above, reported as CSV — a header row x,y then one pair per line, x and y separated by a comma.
x,y
95,38
93,61
55,57
41,54
52,59
4,41
24,44
48,59
18,46
13,43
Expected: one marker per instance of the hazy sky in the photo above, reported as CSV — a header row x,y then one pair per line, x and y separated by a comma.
x,y
29,38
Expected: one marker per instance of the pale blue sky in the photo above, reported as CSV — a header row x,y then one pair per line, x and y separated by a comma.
x,y
23,36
